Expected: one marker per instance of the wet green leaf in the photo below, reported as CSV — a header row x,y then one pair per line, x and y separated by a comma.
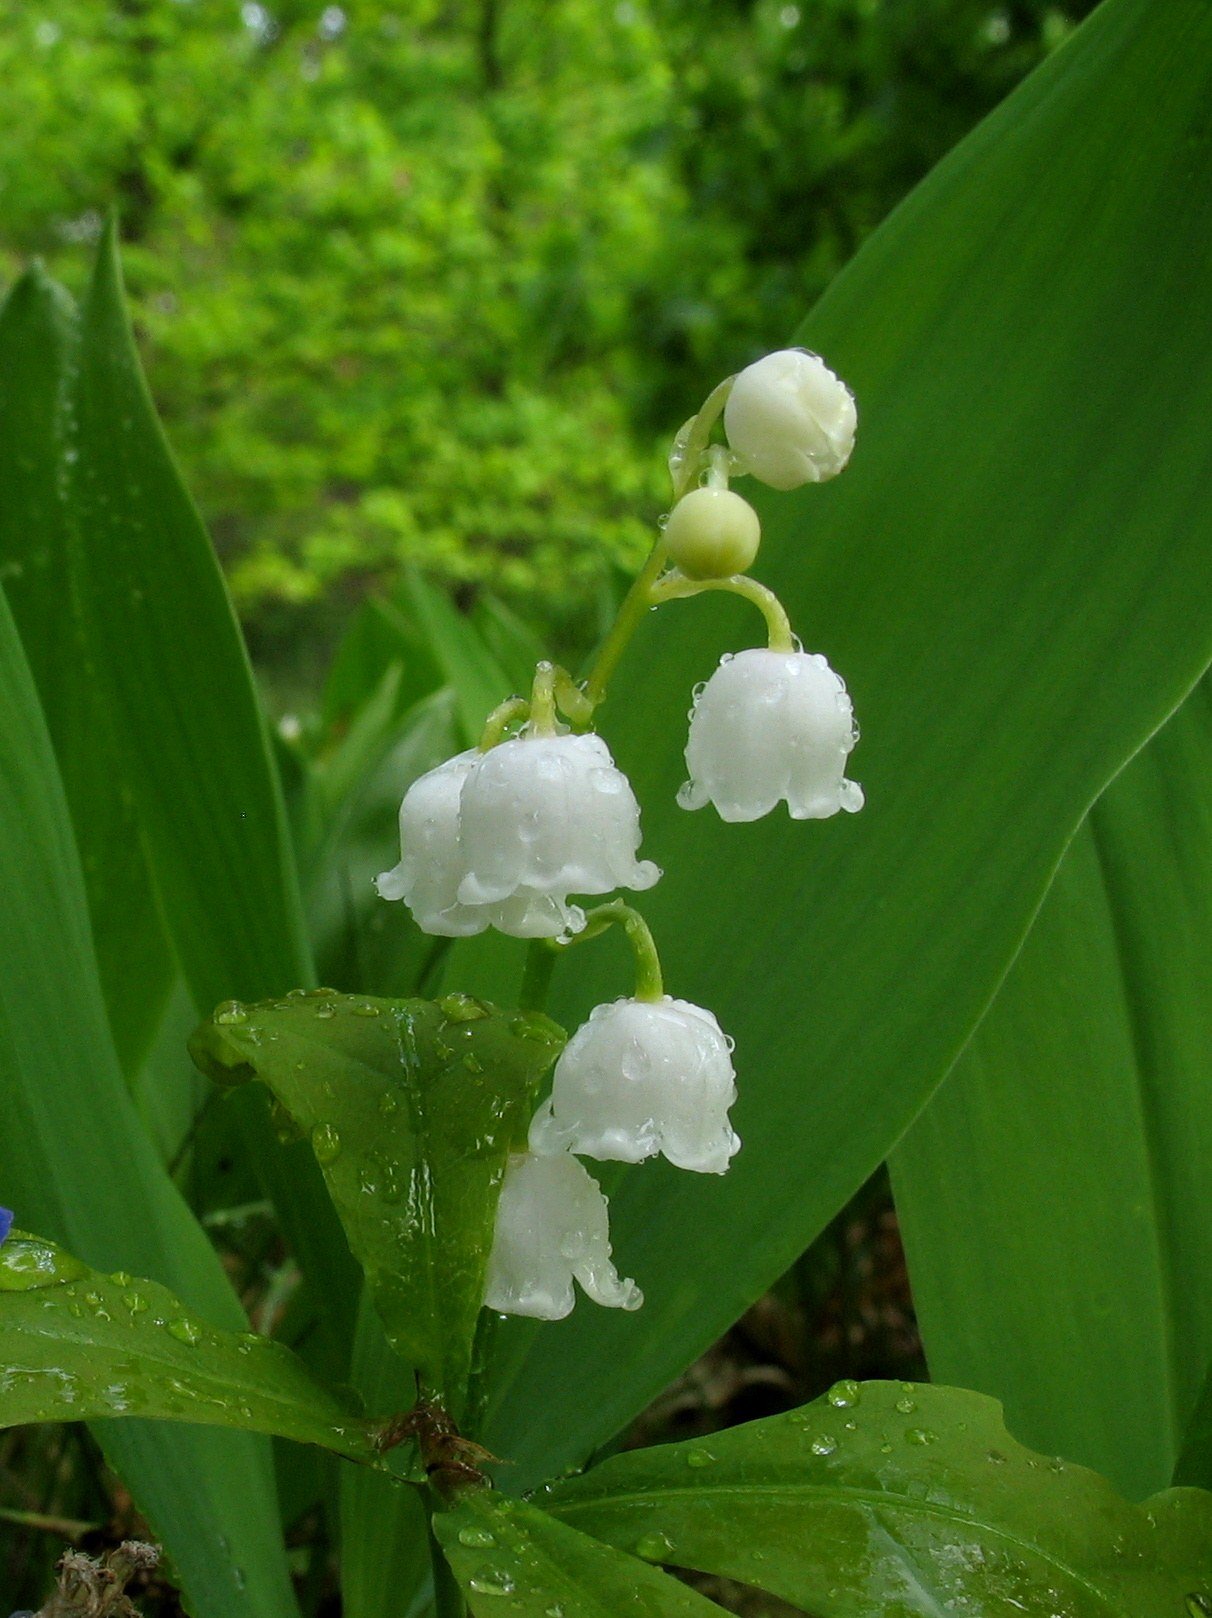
x,y
411,1108
1012,577
500,1548
78,1345
1054,1195
76,1162
891,1498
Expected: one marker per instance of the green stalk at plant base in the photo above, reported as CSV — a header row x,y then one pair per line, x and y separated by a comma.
x,y
676,587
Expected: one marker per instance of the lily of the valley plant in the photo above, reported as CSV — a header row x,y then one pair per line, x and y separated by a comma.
x,y
509,834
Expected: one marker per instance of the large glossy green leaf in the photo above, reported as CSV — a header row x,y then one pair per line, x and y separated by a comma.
x,y
469,668
77,1345
1054,1196
76,1162
176,755
908,1502
40,548
503,1548
1012,577
412,1108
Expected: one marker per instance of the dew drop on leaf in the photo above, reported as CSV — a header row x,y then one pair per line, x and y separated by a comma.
x,y
654,1547
699,1457
920,1435
231,1011
26,1265
844,1394
475,1536
184,1331
823,1444
325,1143
906,1406
491,1581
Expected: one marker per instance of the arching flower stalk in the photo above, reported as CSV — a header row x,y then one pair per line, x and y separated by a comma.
x,y
508,834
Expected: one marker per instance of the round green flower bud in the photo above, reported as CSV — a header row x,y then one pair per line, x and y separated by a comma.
x,y
712,534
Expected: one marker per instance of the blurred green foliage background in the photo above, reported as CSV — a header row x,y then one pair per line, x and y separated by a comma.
x,y
433,282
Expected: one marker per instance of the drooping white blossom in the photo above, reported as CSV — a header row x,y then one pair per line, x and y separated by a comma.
x,y
768,727
545,817
552,1227
790,420
502,838
643,1077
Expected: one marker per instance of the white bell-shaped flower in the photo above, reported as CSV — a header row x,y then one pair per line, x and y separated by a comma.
x,y
768,727
545,816
790,420
552,1226
432,866
642,1077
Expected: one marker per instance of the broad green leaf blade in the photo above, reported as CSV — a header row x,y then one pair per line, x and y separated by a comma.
x,y
1012,577
887,1498
40,562
384,1543
1194,1464
1054,1195
75,1162
499,1547
180,691
412,1108
77,1345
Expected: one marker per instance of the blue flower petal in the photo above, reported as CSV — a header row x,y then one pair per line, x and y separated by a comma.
x,y
6,1223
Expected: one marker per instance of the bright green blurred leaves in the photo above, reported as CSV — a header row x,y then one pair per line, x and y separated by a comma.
x,y
411,1108
1012,578
1065,1268
76,1345
505,1548
903,1500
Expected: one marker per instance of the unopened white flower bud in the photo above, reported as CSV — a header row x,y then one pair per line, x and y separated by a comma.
x,y
549,816
552,1227
642,1077
790,420
712,534
768,727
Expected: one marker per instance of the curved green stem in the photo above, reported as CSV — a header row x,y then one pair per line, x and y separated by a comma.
x,y
635,604
676,587
649,983
499,720
536,976
696,439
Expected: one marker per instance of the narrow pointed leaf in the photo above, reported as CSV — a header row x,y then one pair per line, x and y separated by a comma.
x,y
412,1108
1054,1195
1012,578
76,1162
884,1497
40,558
502,1548
178,750
77,1345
